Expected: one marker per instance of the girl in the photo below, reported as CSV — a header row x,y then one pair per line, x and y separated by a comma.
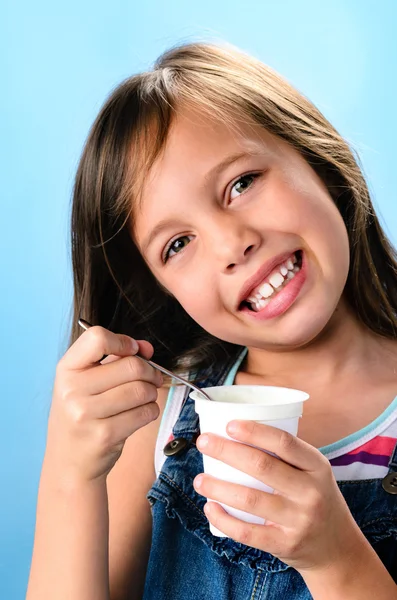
x,y
220,221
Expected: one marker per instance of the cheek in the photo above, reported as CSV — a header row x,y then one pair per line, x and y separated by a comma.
x,y
331,239
314,217
191,292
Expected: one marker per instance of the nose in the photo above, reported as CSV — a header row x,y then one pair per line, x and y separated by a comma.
x,y
231,240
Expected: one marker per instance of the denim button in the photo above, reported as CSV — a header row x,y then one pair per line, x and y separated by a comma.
x,y
389,483
175,446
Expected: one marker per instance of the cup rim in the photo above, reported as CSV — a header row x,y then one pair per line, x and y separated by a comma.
x,y
303,396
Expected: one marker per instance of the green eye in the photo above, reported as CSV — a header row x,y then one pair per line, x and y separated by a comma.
x,y
250,177
175,246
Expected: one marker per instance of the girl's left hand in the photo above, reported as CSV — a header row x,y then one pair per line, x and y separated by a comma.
x,y
308,523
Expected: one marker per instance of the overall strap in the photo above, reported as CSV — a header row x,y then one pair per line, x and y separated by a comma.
x,y
393,461
188,421
389,483
180,413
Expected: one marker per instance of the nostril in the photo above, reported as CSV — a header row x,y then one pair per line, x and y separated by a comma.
x,y
248,249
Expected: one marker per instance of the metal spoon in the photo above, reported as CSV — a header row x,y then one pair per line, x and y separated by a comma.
x,y
86,325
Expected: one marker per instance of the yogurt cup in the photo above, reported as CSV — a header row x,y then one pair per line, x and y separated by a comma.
x,y
276,406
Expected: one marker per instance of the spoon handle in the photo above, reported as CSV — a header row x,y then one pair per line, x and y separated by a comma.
x,y
86,325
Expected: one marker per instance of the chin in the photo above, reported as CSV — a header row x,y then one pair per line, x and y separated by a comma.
x,y
287,335
301,333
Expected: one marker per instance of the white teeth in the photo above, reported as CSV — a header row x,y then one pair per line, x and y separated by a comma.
x,y
266,290
276,280
290,264
283,270
263,303
286,272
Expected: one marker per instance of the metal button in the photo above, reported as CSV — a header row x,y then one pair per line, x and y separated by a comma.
x,y
175,446
389,483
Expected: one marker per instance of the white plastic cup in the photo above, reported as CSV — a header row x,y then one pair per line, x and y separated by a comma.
x,y
276,406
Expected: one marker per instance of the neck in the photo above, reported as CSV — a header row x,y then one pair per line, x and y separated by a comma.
x,y
345,348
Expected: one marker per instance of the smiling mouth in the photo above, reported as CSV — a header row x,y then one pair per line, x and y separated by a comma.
x,y
273,284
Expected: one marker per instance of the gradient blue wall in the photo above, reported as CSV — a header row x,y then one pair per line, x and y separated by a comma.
x,y
58,63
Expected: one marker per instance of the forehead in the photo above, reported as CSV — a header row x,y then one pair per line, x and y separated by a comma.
x,y
196,143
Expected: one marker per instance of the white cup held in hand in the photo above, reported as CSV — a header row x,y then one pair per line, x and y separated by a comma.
x,y
270,405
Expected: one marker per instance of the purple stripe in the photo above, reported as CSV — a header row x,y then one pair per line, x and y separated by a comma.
x,y
363,457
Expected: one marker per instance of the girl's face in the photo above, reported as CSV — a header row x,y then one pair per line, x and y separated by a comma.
x,y
221,214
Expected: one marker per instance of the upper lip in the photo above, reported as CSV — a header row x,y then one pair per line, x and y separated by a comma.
x,y
261,274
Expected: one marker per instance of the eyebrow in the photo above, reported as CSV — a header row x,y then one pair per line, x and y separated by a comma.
x,y
212,174
161,225
229,160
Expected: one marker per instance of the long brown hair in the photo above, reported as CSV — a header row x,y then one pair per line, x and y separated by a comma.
x,y
114,287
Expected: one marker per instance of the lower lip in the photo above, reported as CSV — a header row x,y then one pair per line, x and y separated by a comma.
x,y
284,299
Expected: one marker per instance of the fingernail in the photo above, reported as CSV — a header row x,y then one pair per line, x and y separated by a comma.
x,y
232,427
134,345
198,481
202,441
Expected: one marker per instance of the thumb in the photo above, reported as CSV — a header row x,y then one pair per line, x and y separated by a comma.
x,y
145,349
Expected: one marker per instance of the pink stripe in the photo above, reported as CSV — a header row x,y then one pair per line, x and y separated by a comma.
x,y
378,445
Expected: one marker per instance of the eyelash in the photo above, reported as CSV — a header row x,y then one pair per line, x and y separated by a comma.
x,y
165,257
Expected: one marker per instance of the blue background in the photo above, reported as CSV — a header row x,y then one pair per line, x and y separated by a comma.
x,y
58,63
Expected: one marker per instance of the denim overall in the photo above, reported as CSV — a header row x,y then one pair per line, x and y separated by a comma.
x,y
188,563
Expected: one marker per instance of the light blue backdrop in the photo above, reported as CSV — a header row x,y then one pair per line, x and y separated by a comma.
x,y
57,65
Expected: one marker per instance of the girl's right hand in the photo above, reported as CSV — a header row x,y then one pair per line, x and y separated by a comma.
x,y
97,406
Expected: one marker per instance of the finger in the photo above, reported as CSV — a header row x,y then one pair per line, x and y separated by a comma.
x,y
272,471
268,538
145,349
116,429
92,344
103,377
120,399
110,358
288,447
276,508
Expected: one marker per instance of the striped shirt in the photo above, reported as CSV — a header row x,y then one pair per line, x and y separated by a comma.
x,y
366,453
